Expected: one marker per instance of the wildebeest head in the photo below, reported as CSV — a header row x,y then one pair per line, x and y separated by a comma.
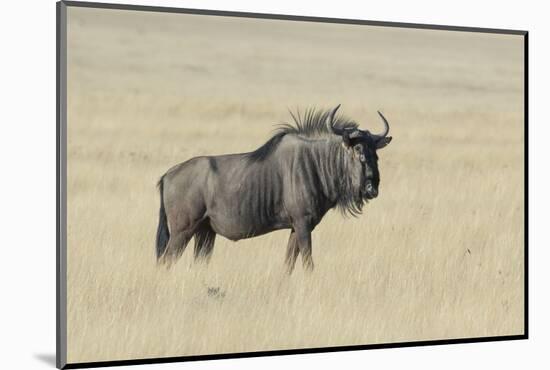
x,y
361,146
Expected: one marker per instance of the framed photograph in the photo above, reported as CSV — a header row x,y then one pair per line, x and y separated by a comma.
x,y
236,184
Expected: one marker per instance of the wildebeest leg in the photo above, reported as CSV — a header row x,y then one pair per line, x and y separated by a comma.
x,y
303,238
291,252
204,241
176,245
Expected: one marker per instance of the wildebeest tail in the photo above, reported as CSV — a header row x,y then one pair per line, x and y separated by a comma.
x,y
163,234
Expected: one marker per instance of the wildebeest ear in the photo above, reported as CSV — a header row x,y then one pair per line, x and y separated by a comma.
x,y
382,142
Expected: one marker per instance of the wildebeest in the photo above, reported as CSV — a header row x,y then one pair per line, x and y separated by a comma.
x,y
290,182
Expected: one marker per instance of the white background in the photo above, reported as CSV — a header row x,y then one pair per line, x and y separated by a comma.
x,y
27,134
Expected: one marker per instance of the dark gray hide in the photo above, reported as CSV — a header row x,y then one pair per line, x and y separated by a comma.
x,y
305,169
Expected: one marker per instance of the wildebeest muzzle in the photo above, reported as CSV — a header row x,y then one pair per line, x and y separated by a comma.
x,y
370,190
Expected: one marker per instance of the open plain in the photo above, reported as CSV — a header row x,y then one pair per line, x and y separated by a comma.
x,y
439,254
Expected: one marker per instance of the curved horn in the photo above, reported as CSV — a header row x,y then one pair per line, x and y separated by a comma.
x,y
330,119
386,126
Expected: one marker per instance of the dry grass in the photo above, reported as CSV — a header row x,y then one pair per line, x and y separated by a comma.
x,y
438,255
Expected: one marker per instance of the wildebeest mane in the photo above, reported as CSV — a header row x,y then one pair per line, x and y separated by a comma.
x,y
310,123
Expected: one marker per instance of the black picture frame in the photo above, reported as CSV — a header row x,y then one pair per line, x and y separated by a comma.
x,y
61,186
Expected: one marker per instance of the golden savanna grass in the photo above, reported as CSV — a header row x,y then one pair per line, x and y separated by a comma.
x,y
439,254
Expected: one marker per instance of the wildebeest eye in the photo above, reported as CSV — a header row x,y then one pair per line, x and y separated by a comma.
x,y
358,149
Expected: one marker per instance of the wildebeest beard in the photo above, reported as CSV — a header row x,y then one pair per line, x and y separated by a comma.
x,y
334,174
348,188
